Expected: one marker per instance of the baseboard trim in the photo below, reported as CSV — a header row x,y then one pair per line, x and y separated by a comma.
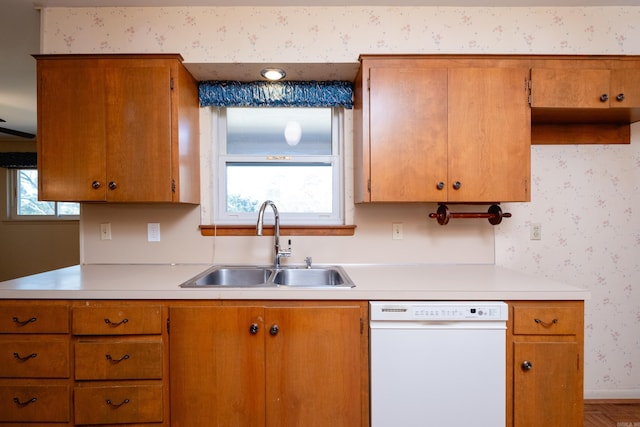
x,y
612,394
612,401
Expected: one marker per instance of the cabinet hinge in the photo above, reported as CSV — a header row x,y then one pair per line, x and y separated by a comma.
x,y
173,185
168,325
171,83
369,185
369,84
527,84
361,326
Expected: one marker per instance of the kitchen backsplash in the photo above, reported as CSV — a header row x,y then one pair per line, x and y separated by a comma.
x,y
584,197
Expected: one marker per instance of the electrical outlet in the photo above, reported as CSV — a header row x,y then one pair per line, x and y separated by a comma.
x,y
153,232
105,231
396,233
536,231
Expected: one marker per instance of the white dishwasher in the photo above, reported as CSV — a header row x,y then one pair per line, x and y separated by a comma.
x,y
437,363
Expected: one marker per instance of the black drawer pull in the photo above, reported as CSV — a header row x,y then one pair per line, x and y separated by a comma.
x,y
116,405
25,403
110,358
25,358
24,322
116,324
546,324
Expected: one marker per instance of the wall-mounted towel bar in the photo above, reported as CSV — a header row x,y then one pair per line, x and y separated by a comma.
x,y
494,214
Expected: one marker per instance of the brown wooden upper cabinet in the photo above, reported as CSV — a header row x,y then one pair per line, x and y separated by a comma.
x,y
438,130
604,92
117,128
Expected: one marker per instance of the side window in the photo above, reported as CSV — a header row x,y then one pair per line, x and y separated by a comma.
x,y
291,156
24,203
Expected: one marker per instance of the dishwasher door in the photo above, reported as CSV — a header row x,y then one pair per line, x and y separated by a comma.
x,y
443,368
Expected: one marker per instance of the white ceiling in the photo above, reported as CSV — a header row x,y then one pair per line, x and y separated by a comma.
x,y
20,29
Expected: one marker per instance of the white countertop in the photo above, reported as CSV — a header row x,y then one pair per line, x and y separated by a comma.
x,y
373,282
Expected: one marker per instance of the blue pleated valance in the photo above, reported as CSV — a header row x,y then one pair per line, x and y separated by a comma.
x,y
18,160
276,94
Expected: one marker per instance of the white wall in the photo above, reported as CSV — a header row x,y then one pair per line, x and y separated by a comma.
x,y
585,197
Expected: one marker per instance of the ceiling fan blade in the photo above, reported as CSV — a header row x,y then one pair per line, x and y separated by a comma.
x,y
17,133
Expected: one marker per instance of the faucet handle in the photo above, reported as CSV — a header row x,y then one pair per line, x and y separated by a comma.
x,y
285,252
307,261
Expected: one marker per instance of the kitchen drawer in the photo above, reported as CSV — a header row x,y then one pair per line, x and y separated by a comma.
x,y
118,360
34,319
34,403
118,404
545,320
116,320
45,358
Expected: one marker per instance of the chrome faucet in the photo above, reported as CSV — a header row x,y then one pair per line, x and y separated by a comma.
x,y
276,231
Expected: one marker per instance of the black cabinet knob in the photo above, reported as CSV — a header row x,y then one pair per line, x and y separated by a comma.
x,y
440,185
274,330
253,329
95,185
620,97
526,365
457,185
604,97
113,185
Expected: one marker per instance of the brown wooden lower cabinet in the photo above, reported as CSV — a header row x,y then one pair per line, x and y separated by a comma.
x,y
269,364
545,341
246,363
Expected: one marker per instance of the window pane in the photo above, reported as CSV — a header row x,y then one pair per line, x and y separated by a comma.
x,y
279,131
27,195
68,208
27,204
295,188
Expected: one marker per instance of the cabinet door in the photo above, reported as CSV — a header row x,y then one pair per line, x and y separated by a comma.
x,y
546,384
217,366
569,88
489,135
625,80
71,131
138,129
313,367
408,133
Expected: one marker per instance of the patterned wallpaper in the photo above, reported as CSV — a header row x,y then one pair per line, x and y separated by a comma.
x,y
585,197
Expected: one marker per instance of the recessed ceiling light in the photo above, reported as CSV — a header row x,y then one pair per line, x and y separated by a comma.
x,y
273,74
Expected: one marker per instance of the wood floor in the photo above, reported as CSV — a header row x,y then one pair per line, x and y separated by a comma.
x,y
612,413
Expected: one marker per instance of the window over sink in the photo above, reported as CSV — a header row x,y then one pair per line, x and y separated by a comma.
x,y
290,155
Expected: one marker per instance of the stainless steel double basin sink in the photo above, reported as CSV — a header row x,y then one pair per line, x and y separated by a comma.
x,y
320,277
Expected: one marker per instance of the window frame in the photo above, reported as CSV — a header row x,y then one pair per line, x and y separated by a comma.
x,y
12,202
335,159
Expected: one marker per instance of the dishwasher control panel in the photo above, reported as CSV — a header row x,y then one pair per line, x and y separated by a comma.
x,y
438,310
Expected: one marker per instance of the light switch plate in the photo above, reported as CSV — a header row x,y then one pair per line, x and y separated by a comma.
x,y
397,231
153,232
105,231
536,232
